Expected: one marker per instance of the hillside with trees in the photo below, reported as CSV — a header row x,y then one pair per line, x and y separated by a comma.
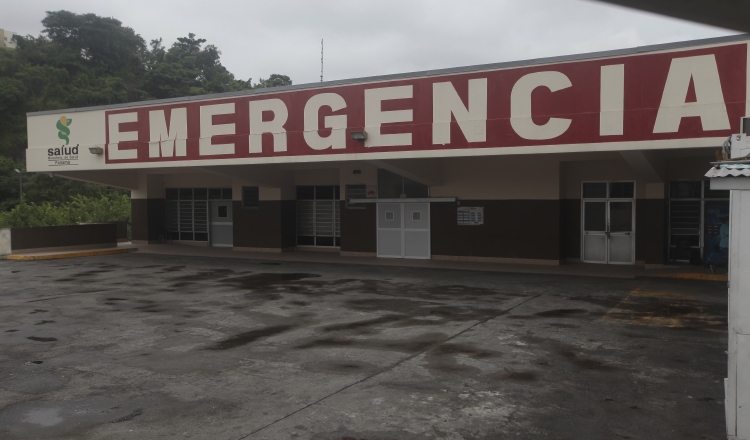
x,y
83,60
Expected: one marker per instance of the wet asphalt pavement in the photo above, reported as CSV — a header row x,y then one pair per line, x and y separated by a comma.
x,y
142,346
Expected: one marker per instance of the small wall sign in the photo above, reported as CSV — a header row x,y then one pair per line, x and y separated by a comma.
x,y
470,215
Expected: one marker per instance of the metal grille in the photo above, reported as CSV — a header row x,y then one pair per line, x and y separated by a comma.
x,y
187,211
186,216
324,218
318,221
200,216
306,217
355,192
173,221
337,217
685,217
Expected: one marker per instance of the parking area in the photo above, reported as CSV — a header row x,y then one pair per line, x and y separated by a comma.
x,y
158,346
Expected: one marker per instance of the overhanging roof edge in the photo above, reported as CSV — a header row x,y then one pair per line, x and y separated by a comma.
x,y
418,74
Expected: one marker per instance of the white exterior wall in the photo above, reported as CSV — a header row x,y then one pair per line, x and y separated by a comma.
x,y
737,383
6,39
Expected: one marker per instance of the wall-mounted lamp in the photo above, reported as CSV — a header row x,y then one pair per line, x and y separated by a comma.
x,y
359,135
96,150
20,183
357,172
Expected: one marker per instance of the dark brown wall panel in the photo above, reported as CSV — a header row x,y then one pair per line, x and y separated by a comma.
x,y
359,228
511,229
147,217
650,225
570,227
61,236
257,227
288,223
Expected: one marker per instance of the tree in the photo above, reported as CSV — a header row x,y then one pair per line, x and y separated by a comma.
x,y
187,68
104,45
275,80
83,60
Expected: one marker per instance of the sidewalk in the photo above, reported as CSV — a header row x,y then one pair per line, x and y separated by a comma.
x,y
122,248
576,269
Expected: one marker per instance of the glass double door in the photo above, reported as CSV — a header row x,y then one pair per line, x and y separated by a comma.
x,y
608,231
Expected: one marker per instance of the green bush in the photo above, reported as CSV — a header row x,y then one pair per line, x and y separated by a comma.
x,y
80,209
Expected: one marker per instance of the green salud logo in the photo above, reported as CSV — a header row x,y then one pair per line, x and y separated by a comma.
x,y
64,132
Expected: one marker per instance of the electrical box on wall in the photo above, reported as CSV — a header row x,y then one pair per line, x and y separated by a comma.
x,y
741,142
740,146
470,215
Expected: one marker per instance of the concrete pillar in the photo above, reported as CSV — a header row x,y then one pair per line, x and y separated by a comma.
x,y
738,380
737,383
147,208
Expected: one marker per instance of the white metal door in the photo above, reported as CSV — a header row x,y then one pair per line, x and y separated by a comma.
x,y
620,227
221,224
404,230
390,230
608,232
417,230
595,232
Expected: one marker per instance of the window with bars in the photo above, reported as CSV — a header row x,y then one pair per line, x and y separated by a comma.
x,y
687,208
318,216
187,211
355,192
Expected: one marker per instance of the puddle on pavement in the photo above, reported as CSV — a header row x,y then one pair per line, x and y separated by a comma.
x,y
38,311
70,418
245,338
345,434
407,345
267,280
554,313
586,363
362,324
43,417
561,313
340,367
173,269
681,314
561,325
206,275
522,376
446,358
90,273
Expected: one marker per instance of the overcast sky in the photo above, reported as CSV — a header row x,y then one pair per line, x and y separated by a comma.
x,y
367,38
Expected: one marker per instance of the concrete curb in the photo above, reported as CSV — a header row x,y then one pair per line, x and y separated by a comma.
x,y
691,276
55,256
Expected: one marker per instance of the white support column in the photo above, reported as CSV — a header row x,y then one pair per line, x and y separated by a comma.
x,y
737,383
738,380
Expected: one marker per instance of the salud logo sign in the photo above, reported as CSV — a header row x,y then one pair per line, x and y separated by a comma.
x,y
63,155
64,132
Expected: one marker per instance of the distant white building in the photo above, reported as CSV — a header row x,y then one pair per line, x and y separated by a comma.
x,y
6,39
